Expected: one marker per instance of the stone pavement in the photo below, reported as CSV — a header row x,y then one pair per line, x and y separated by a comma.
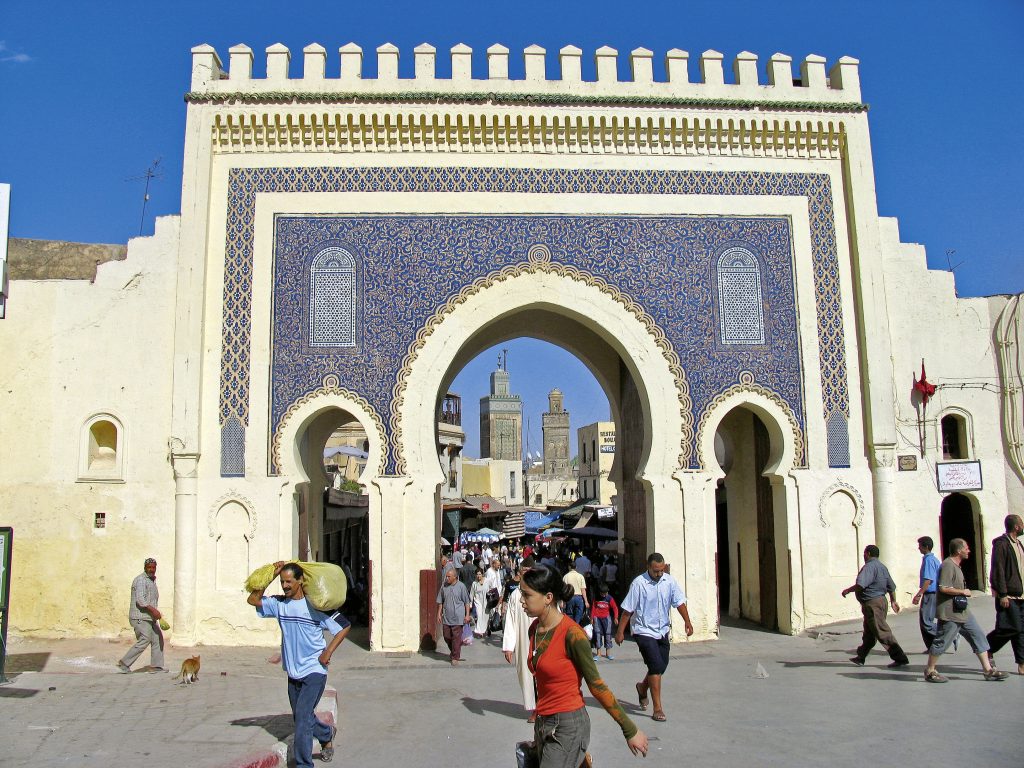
x,y
67,706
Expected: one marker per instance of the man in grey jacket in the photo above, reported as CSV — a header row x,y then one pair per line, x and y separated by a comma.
x,y
144,616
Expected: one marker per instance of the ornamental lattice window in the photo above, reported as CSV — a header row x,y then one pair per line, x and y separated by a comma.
x,y
740,306
332,299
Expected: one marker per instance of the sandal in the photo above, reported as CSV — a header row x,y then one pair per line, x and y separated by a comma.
x,y
327,751
935,677
641,696
659,717
995,674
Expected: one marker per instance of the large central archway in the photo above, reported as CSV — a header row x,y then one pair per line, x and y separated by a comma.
x,y
615,339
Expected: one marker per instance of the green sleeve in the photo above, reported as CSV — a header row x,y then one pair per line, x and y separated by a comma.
x,y
577,648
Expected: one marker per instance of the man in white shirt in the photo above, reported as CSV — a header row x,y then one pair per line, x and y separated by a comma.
x,y
492,580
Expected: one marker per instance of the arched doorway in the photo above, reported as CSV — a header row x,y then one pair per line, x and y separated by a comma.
x,y
751,442
635,367
746,521
959,519
317,523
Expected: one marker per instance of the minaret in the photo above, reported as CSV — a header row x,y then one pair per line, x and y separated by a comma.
x,y
556,436
501,418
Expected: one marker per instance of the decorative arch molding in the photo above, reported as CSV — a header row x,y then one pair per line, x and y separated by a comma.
x,y
332,394
841,487
740,395
227,498
539,262
90,471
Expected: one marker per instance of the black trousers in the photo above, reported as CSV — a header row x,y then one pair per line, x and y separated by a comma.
x,y
1009,629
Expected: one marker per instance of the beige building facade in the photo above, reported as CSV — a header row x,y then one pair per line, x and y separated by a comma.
x,y
711,251
596,452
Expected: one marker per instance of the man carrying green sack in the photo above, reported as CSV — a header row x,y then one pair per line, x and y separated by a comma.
x,y
305,656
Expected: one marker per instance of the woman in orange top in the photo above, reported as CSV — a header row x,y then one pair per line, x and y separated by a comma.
x,y
559,659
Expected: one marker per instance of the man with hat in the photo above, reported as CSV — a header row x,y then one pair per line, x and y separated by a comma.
x,y
144,616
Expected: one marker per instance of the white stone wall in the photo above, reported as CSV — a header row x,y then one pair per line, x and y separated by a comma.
x,y
74,349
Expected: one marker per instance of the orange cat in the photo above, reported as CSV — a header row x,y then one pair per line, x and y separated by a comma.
x,y
189,671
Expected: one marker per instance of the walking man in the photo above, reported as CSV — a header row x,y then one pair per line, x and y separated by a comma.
x,y
872,585
1008,591
515,643
144,616
955,618
453,613
305,656
647,609
926,594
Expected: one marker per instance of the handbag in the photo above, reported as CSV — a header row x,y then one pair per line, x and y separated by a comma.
x,y
959,603
492,598
496,623
526,755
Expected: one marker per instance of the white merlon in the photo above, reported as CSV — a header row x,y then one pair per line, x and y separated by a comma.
x,y
240,57
462,63
744,68
711,72
607,64
351,63
278,59
845,76
206,66
497,62
677,64
387,62
571,59
780,71
641,63
426,58
314,62
840,85
535,66
812,72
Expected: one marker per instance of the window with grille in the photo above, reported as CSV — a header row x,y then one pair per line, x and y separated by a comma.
x,y
332,299
740,305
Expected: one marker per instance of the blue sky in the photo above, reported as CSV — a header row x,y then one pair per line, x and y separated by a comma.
x,y
91,96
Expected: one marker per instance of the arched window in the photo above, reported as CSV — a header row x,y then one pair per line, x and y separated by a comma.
x,y
740,308
332,299
232,448
101,451
954,437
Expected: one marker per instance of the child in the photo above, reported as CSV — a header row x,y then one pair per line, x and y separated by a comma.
x,y
602,611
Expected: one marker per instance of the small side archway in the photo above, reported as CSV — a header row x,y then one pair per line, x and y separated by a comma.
x,y
749,441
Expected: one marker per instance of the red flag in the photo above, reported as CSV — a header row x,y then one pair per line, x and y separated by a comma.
x,y
921,385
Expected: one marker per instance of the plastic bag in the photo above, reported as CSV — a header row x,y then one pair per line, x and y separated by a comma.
x,y
467,635
324,584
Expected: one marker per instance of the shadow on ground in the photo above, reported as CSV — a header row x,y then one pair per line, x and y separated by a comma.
x,y
26,662
278,726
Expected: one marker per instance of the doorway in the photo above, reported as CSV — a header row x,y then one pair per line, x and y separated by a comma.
x,y
959,520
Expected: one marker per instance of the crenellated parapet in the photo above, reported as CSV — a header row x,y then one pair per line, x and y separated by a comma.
x,y
815,88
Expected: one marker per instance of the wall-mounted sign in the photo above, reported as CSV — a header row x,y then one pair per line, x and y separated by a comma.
x,y
958,476
608,448
908,463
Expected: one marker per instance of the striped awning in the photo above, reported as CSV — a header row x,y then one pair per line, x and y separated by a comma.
x,y
514,525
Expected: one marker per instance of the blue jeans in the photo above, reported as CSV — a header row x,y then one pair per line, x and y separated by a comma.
x,y
303,695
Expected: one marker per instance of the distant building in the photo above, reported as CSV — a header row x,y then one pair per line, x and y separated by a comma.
x,y
450,441
556,436
596,455
499,478
501,421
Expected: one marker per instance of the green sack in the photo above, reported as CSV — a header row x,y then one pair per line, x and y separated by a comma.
x,y
325,584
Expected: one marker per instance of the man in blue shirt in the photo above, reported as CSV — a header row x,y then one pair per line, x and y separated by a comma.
x,y
647,609
925,596
305,656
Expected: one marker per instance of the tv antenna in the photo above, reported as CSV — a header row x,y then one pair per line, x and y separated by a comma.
x,y
151,173
949,260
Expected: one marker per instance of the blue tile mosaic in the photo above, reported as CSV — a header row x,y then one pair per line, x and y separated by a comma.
x,y
670,295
